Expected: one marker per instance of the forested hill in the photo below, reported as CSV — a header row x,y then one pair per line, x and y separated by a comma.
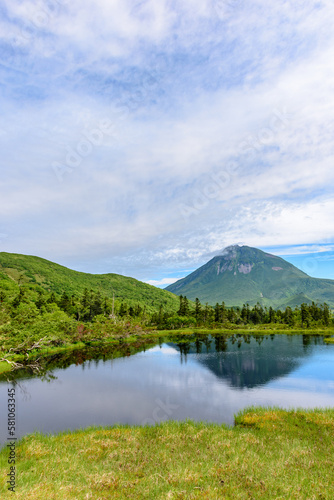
x,y
24,269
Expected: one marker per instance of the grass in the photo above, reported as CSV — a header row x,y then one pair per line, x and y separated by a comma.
x,y
4,367
270,453
267,329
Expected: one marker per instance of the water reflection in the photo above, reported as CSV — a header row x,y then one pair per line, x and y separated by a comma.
x,y
201,378
83,357
244,361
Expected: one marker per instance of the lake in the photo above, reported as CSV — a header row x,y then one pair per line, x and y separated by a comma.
x,y
210,378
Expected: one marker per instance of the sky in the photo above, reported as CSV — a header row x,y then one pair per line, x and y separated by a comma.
x,y
143,137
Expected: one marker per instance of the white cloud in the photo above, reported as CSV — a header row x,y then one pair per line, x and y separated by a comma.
x,y
304,250
164,281
200,88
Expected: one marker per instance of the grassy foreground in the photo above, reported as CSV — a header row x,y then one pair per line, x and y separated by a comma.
x,y
270,453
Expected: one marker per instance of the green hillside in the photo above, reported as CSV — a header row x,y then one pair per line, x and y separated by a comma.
x,y
55,278
244,274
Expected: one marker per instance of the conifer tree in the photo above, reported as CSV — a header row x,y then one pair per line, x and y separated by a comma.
x,y
97,305
305,315
198,309
185,306
326,315
180,310
288,316
160,315
272,315
123,310
64,302
217,313
18,299
52,299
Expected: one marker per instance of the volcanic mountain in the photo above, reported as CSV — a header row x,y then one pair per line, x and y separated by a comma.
x,y
240,275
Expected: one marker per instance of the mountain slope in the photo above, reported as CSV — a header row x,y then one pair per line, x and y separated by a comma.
x,y
56,278
244,274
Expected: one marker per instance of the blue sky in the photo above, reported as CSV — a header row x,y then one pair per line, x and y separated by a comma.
x,y
143,137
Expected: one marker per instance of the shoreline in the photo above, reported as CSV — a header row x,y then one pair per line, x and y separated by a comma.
x,y
119,341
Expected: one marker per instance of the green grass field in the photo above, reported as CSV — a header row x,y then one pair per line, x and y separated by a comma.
x,y
270,453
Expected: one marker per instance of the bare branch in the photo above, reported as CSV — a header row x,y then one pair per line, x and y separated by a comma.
x,y
35,365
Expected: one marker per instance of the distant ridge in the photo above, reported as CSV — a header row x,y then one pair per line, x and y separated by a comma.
x,y
242,274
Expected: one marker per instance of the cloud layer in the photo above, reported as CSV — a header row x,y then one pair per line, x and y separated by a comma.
x,y
143,137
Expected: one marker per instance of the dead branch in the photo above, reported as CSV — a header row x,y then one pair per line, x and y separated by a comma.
x,y
24,349
35,366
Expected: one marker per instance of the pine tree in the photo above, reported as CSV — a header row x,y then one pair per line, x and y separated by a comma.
x,y
245,313
223,311
326,315
255,316
138,310
272,315
41,300
198,309
160,315
64,302
180,311
305,315
18,299
288,316
123,310
185,306
85,299
97,304
106,308
217,313
52,299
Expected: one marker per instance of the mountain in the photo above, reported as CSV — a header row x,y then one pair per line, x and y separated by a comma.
x,y
59,279
243,274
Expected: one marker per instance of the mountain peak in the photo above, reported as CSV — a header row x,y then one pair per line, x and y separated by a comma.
x,y
232,249
241,274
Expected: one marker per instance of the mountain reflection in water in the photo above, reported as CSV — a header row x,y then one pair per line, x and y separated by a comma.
x,y
245,361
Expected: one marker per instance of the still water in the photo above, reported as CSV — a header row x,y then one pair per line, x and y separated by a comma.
x,y
210,378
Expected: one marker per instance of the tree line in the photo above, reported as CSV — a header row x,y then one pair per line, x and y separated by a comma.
x,y
305,316
29,311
